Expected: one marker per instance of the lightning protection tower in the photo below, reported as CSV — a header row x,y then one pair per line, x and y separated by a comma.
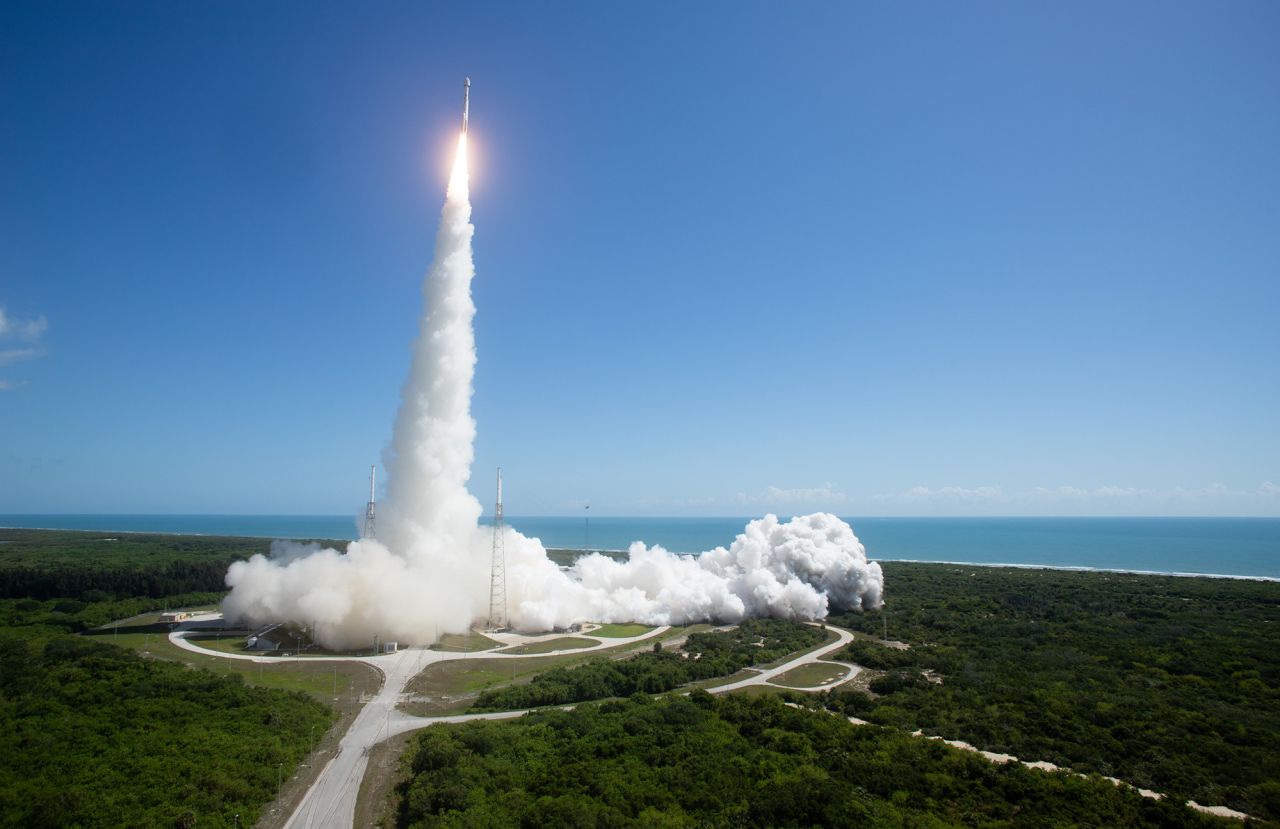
x,y
371,510
498,574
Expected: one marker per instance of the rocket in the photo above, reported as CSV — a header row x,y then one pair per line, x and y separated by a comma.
x,y
466,102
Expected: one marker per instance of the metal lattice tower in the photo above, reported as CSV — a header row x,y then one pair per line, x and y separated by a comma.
x,y
371,510
498,575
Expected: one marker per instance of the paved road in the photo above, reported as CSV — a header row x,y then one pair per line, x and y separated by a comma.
x,y
764,677
330,803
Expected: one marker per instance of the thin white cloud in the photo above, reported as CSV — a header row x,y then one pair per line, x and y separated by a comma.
x,y
17,355
27,332
1212,498
818,495
955,493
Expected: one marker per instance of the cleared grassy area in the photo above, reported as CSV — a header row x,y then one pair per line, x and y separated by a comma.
x,y
465,642
620,631
815,673
224,642
716,682
562,643
758,691
451,687
320,680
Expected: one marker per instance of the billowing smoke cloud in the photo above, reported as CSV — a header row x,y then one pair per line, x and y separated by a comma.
x,y
427,572
794,570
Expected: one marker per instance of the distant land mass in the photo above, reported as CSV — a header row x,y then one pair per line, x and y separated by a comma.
x,y
1235,547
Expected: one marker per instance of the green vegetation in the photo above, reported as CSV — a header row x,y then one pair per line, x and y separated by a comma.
x,y
563,643
40,619
93,735
92,566
468,642
1171,684
815,673
320,680
221,642
702,761
620,631
565,558
451,687
706,655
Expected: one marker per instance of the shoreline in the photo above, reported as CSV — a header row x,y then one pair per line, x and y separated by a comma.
x,y
1080,568
994,564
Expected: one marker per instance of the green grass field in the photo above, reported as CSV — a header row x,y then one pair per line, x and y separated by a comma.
x,y
562,643
807,676
451,687
716,682
222,642
620,631
469,642
318,679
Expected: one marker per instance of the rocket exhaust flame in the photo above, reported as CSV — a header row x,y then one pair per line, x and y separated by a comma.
x,y
427,571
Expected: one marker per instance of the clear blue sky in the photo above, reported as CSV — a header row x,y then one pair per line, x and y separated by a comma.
x,y
876,258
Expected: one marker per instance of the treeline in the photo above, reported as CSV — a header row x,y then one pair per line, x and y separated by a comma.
x,y
1171,684
96,736
46,564
36,619
706,655
736,761
157,580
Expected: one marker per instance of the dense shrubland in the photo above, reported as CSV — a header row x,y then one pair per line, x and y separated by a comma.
x,y
736,761
93,735
1169,683
46,564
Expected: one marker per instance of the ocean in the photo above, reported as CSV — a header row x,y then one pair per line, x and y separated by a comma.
x,y
1244,547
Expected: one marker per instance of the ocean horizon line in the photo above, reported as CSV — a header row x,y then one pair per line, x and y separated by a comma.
x,y
1212,546
487,517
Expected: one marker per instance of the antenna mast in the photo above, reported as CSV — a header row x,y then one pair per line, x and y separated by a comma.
x,y
371,509
498,575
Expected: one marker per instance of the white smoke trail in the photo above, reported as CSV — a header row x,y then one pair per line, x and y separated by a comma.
x,y
428,570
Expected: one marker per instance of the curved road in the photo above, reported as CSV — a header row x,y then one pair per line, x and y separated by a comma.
x,y
331,801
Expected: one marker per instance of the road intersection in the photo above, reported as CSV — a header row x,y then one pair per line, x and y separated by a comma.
x,y
330,802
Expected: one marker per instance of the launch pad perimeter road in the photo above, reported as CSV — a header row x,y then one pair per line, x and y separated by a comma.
x,y
330,802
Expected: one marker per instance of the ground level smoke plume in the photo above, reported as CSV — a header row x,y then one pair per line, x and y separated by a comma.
x,y
427,572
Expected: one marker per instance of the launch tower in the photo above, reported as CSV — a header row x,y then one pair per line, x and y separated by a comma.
x,y
498,573
370,510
